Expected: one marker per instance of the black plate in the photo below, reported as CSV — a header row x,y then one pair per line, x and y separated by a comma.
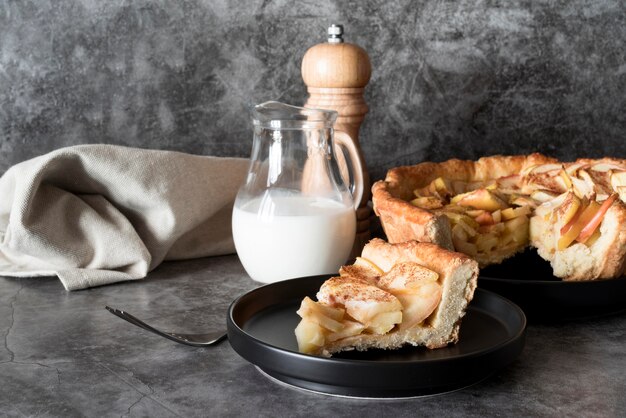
x,y
527,280
261,327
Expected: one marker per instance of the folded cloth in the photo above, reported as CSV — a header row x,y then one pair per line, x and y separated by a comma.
x,y
99,214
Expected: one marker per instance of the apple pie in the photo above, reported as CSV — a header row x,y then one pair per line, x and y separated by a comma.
x,y
573,213
394,294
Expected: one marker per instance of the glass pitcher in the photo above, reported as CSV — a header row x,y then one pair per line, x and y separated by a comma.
x,y
295,216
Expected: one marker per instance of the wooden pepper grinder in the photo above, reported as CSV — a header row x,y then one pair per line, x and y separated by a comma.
x,y
336,74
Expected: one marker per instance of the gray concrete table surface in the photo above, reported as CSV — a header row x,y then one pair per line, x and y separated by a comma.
x,y
65,355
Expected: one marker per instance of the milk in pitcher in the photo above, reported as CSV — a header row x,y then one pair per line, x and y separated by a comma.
x,y
282,237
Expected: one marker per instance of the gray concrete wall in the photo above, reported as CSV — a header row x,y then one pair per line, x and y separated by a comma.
x,y
457,78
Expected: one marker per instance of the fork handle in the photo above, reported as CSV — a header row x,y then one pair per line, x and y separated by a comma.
x,y
170,336
136,321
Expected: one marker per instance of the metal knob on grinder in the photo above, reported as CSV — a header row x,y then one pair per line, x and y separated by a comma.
x,y
335,34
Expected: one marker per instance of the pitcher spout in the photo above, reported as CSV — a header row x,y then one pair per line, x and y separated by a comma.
x,y
277,115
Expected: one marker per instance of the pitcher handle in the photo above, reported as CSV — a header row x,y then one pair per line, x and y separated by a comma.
x,y
354,165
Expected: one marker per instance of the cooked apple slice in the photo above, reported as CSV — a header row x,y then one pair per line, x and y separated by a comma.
x,y
464,246
560,182
468,228
480,186
589,181
540,169
485,218
568,208
511,213
459,217
582,187
618,183
515,223
543,196
518,227
596,220
455,199
350,329
417,289
384,322
547,182
372,313
366,273
474,212
546,209
527,170
593,238
602,181
406,276
310,336
497,216
511,182
544,177
362,268
459,233
439,188
567,180
423,191
420,304
427,202
572,168
482,199
524,201
325,316
604,167
454,208
618,178
442,186
309,305
572,229
364,262
546,168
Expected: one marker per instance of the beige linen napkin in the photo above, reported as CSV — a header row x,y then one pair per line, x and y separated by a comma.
x,y
99,214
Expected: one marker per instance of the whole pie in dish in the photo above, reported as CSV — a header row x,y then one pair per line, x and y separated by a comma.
x,y
573,213
394,294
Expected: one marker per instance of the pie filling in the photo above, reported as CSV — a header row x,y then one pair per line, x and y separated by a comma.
x,y
364,299
497,216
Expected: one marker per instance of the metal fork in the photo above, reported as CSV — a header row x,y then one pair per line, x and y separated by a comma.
x,y
197,340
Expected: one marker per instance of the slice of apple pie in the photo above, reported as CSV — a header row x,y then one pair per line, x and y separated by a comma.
x,y
394,294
